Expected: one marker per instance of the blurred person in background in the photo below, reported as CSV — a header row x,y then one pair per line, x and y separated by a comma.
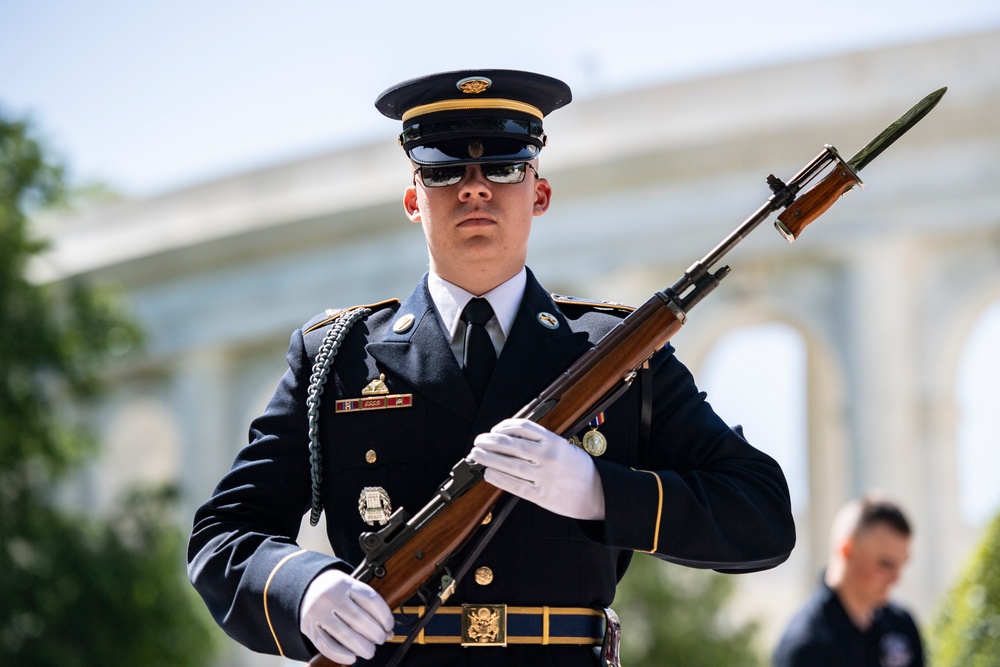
x,y
849,621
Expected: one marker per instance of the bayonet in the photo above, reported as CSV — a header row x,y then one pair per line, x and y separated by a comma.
x,y
844,175
896,130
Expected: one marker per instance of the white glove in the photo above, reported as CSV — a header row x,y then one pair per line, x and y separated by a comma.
x,y
344,618
534,463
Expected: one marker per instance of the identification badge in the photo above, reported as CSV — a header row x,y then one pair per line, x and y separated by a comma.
x,y
374,505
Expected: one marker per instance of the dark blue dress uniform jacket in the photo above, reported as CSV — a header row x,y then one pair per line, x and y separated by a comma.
x,y
696,493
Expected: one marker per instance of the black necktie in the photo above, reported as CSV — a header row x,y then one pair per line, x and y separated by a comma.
x,y
480,357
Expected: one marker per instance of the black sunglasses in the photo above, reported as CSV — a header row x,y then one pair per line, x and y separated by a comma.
x,y
439,177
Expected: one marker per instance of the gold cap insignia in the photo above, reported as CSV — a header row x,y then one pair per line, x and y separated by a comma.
x,y
474,85
376,387
475,148
374,505
371,456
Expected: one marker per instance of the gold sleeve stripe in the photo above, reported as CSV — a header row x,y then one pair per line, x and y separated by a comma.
x,y
473,103
267,585
659,512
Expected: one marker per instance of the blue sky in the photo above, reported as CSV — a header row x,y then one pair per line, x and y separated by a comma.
x,y
152,96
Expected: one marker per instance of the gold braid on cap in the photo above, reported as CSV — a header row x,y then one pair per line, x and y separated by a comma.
x,y
473,103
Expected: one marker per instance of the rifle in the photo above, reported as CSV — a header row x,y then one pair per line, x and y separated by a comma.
x,y
408,553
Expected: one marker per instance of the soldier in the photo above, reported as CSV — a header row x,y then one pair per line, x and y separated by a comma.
x,y
417,385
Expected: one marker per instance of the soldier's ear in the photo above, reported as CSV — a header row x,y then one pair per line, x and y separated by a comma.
x,y
410,204
543,196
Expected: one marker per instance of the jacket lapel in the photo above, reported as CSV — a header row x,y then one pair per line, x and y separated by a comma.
x,y
422,356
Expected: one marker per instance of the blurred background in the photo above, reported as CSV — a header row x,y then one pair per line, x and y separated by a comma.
x,y
229,178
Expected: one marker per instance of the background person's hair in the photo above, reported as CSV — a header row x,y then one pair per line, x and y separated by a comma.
x,y
863,513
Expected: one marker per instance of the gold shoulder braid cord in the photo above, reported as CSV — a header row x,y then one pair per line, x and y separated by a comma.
x,y
324,360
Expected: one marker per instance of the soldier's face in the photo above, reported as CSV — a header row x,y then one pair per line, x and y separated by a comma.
x,y
477,228
875,561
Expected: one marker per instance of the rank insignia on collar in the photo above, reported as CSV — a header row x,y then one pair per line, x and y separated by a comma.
x,y
374,505
403,324
548,320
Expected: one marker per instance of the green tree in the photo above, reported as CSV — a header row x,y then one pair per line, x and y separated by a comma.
x,y
76,590
672,615
966,632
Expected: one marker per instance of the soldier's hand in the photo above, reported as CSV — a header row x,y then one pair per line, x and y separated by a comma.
x,y
534,463
344,618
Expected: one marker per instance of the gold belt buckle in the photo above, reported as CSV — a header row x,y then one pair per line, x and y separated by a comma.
x,y
484,625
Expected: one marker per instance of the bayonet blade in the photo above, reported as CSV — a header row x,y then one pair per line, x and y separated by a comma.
x,y
895,131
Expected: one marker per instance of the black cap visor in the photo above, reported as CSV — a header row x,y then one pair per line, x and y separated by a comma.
x,y
473,150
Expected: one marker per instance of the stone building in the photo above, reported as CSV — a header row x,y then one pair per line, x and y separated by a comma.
x,y
879,296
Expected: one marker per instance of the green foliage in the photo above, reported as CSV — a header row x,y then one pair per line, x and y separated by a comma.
x,y
81,592
673,616
966,632
76,590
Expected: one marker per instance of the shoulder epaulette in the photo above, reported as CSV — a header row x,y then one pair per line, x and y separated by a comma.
x,y
591,303
333,313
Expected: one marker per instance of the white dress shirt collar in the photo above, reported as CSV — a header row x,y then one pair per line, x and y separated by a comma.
x,y
450,300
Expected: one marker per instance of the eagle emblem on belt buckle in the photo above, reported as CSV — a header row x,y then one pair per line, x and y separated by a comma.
x,y
484,625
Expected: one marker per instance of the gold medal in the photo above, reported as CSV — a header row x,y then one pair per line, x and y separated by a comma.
x,y
594,442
